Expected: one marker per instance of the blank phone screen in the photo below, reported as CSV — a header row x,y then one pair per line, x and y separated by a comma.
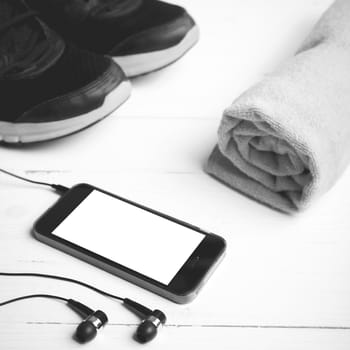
x,y
132,237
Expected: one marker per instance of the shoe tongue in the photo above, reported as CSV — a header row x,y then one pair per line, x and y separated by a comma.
x,y
19,37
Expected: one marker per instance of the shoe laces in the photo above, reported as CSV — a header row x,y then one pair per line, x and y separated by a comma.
x,y
28,56
85,8
103,5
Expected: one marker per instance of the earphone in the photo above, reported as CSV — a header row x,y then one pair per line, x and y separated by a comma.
x,y
92,320
95,320
148,328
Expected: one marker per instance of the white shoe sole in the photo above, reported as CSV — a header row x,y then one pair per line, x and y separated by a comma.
x,y
143,63
34,132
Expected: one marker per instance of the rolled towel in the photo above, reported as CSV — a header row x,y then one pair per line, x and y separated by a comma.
x,y
286,140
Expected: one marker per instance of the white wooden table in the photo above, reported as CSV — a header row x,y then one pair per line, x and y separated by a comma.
x,y
285,282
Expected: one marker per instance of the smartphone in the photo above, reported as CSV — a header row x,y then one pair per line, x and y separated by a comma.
x,y
150,249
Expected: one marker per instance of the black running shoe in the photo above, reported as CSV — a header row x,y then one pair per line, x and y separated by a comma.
x,y
49,89
141,35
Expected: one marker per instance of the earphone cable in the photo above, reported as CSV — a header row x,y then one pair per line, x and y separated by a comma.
x,y
58,188
61,278
31,296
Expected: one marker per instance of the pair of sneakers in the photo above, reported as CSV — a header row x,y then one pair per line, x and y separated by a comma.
x,y
65,64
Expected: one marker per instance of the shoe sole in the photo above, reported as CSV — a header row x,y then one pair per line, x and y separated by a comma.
x,y
134,65
35,132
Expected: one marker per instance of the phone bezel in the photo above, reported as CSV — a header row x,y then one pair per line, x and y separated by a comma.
x,y
182,288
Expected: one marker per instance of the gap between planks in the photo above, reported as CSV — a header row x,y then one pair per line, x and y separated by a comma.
x,y
247,326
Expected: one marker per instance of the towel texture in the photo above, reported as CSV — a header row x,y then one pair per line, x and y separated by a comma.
x,y
286,140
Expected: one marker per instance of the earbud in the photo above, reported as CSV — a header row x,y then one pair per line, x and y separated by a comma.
x,y
93,320
148,328
87,330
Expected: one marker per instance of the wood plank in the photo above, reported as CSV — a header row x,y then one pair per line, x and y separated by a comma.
x,y
139,144
18,336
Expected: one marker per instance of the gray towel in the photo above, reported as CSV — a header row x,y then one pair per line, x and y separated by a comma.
x,y
286,140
